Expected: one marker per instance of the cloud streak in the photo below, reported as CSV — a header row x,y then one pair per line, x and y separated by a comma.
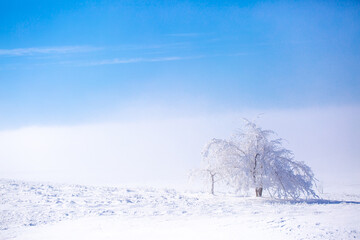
x,y
46,50
139,60
175,45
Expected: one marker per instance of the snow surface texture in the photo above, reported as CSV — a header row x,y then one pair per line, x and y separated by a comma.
x,y
58,211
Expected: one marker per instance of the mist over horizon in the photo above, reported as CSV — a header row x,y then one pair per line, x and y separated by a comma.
x,y
162,151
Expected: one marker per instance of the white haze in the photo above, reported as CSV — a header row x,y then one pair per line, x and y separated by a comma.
x,y
161,151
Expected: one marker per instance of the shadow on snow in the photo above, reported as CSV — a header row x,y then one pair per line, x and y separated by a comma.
x,y
315,201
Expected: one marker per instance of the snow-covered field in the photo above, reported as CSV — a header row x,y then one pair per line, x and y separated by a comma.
x,y
59,211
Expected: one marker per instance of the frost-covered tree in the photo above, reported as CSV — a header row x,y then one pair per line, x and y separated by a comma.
x,y
214,168
251,158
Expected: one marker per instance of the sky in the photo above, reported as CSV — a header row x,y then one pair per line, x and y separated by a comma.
x,y
128,79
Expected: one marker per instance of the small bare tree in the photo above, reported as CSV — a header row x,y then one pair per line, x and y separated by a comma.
x,y
214,167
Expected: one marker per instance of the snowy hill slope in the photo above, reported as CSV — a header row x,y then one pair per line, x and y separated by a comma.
x,y
59,211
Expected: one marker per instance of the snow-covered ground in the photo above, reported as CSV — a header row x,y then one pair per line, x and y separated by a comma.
x,y
59,211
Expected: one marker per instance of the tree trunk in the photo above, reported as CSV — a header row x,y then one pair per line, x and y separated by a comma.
x,y
212,183
258,191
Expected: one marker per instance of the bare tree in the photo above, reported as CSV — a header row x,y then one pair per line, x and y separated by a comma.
x,y
214,169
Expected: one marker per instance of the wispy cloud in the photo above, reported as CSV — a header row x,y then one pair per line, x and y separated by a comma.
x,y
46,50
139,60
132,47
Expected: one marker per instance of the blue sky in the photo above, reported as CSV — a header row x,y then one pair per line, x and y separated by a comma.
x,y
63,62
